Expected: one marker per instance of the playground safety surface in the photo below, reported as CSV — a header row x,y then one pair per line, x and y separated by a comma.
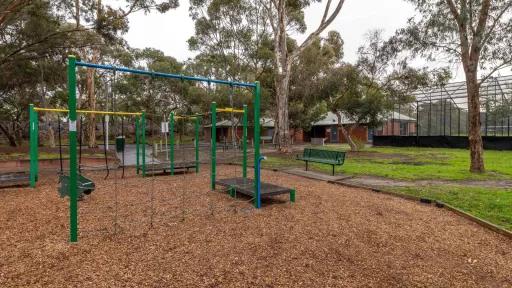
x,y
171,231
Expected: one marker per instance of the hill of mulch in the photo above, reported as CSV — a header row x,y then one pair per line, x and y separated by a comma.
x,y
171,231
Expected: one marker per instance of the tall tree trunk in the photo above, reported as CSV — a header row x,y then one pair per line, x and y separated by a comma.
x,y
283,129
91,99
91,91
51,136
8,134
476,149
282,79
347,133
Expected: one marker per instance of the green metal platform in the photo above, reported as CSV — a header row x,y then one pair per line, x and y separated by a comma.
x,y
14,179
165,168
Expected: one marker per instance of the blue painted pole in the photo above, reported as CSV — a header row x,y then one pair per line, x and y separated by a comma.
x,y
258,181
164,75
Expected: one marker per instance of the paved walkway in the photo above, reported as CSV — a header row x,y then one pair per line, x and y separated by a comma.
x,y
130,155
316,175
380,182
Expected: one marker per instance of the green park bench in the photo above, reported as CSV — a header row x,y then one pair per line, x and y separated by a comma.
x,y
334,158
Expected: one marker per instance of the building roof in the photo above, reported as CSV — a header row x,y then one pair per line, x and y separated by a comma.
x,y
397,116
331,119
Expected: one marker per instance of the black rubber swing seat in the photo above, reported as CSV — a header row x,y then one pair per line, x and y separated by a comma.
x,y
85,186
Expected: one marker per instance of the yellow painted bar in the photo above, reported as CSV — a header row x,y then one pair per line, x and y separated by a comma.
x,y
230,110
186,116
37,109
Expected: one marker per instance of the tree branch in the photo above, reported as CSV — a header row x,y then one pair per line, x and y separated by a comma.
x,y
12,8
323,25
495,23
503,64
39,41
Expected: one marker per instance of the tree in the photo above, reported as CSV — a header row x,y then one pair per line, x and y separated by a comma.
x,y
32,42
285,16
384,65
474,33
354,97
232,38
108,23
306,105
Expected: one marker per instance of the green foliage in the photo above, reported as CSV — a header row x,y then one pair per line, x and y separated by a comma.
x,y
435,31
232,39
357,98
305,100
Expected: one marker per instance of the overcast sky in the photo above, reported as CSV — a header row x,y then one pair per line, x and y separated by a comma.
x,y
169,32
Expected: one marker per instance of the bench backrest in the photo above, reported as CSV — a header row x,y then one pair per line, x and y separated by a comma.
x,y
324,154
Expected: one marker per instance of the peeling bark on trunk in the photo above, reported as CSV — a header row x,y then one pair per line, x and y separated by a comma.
x,y
475,138
283,139
282,80
283,60
470,56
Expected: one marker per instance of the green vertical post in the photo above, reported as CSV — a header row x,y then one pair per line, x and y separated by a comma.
x,y
257,96
244,143
73,195
292,196
33,145
214,144
137,144
171,142
143,142
197,119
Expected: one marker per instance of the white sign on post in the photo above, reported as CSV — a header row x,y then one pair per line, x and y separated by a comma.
x,y
72,125
165,127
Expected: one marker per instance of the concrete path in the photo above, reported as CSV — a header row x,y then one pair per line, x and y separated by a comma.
x,y
316,175
130,155
380,182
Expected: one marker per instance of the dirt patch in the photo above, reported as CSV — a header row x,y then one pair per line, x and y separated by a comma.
x,y
376,155
171,231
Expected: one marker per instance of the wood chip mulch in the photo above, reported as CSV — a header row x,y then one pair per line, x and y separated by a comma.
x,y
171,231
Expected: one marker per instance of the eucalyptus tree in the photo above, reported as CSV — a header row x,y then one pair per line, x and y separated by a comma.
x,y
232,38
388,67
306,105
354,97
476,34
109,23
287,17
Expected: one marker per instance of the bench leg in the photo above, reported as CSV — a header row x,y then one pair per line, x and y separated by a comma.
x,y
306,165
332,170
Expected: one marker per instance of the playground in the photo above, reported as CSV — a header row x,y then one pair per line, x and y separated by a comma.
x,y
185,212
172,231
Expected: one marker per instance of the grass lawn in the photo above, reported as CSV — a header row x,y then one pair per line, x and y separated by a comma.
x,y
491,204
408,163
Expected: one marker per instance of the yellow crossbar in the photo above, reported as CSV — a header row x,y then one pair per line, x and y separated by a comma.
x,y
186,116
37,109
230,110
